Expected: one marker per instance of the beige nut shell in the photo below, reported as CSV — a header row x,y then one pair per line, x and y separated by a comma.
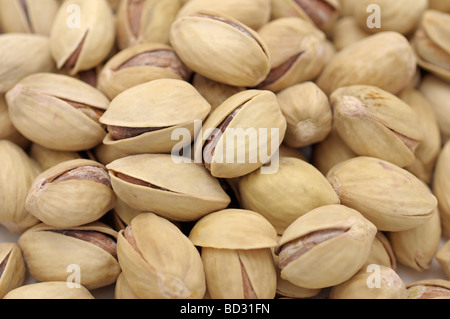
x,y
15,272
49,290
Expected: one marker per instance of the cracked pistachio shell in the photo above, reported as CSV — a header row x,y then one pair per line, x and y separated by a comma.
x,y
385,60
416,248
7,129
390,197
427,152
252,114
17,172
22,55
428,289
47,158
437,92
139,64
143,118
431,43
325,247
57,111
295,189
122,289
443,258
145,21
440,5
252,13
221,48
401,16
381,252
297,52
28,16
323,13
49,290
12,268
376,123
173,188
308,114
441,187
79,27
364,285
49,251
83,184
347,31
159,261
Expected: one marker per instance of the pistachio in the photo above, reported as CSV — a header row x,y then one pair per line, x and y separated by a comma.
x,y
443,257
361,184
139,64
381,252
364,62
47,158
329,237
48,251
145,21
12,268
85,186
441,187
74,46
241,58
428,289
137,127
237,264
375,123
49,290
347,31
153,271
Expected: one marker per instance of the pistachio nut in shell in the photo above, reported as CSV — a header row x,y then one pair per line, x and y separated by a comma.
x,y
387,285
252,13
400,16
376,123
443,257
381,252
23,55
417,247
79,26
143,118
236,252
151,269
441,187
428,289
325,247
297,52
171,187
346,31
371,61
322,13
139,64
221,48
308,114
295,189
49,290
17,172
12,267
254,118
48,251
390,197
7,129
27,16
85,187
145,21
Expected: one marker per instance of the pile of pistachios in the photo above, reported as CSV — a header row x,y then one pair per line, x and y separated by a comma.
x,y
211,149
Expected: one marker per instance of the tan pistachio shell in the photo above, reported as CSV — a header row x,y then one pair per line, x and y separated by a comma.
x,y
12,268
122,289
17,173
391,286
241,58
154,271
168,105
78,28
178,191
295,189
145,21
106,154
7,130
428,289
23,55
40,108
333,260
48,253
441,187
346,31
49,290
361,184
260,112
443,257
233,229
139,64
87,194
376,123
371,61
28,16
47,158
381,252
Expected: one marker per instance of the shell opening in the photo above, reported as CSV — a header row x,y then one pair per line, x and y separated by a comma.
x,y
24,6
91,173
278,72
73,59
121,132
90,111
320,12
134,11
249,292
139,182
3,264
